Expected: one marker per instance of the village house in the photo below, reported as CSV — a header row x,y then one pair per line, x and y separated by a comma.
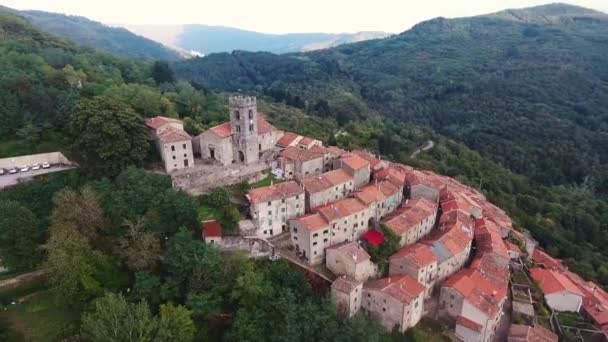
x,y
299,163
346,295
413,221
212,232
526,333
393,174
419,262
272,206
357,167
453,201
243,139
544,259
348,219
310,236
295,140
451,249
560,293
330,155
382,197
376,164
351,260
397,301
172,142
421,185
489,240
327,187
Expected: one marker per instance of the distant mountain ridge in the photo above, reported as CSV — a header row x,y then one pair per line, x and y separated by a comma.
x,y
94,34
211,39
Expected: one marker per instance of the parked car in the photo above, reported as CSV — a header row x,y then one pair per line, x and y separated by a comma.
x,y
13,170
2,171
46,165
36,166
25,168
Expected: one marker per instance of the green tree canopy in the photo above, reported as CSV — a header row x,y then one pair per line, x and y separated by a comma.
x,y
20,234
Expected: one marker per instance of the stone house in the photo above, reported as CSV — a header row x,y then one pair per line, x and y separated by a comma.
x,y
413,221
172,142
418,185
272,206
330,155
397,301
560,293
310,236
382,197
243,139
346,295
351,260
452,250
356,166
299,164
327,187
348,219
295,140
419,262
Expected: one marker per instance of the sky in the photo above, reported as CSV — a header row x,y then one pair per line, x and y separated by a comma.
x,y
283,16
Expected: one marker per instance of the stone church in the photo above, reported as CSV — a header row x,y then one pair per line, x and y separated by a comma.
x,y
243,140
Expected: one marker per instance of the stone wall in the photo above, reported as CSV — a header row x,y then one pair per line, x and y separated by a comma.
x,y
53,158
205,177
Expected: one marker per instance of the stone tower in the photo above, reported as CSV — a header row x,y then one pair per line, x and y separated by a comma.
x,y
244,123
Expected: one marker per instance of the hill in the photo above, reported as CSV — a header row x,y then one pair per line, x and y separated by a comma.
x,y
211,39
527,88
97,35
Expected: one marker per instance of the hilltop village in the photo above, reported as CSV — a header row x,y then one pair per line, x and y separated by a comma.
x,y
454,251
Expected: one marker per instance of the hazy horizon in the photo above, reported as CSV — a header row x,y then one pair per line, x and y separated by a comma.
x,y
275,16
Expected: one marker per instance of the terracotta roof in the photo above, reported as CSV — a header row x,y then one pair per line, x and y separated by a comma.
x,y
374,237
392,174
467,323
158,121
341,208
351,250
526,333
296,154
513,247
326,180
223,131
370,193
335,151
263,125
345,285
544,259
355,162
551,281
172,135
403,287
275,192
488,238
313,222
478,291
371,159
414,212
288,138
211,229
419,254
306,141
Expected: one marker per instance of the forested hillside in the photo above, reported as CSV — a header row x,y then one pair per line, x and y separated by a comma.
x,y
97,35
527,88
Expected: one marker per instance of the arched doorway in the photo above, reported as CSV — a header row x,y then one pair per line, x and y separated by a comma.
x,y
241,156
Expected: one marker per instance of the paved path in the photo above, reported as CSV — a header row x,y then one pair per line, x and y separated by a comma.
x,y
429,145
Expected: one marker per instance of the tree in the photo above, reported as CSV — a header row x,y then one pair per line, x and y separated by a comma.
x,y
141,249
30,133
162,72
20,233
114,319
219,197
174,324
108,135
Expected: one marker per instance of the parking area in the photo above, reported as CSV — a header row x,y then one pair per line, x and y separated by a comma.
x,y
8,180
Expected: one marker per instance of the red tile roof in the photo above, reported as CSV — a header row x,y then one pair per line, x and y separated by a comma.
x,y
172,135
392,174
351,250
345,285
513,247
275,192
263,125
551,281
288,138
211,229
306,141
478,291
313,222
355,162
158,121
377,192
373,161
414,212
419,254
326,181
403,287
374,237
296,154
223,131
544,259
341,208
467,323
525,333
488,238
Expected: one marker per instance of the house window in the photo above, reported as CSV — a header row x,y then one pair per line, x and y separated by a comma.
x,y
173,157
265,232
282,209
251,114
325,232
297,206
324,240
295,230
295,238
283,200
269,212
315,235
251,128
297,196
238,128
172,147
269,203
314,243
184,146
237,115
185,155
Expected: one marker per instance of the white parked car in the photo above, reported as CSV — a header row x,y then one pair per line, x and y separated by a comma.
x,y
46,165
25,168
13,170
36,166
2,171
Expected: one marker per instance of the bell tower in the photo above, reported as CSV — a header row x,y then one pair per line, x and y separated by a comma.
x,y
244,124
